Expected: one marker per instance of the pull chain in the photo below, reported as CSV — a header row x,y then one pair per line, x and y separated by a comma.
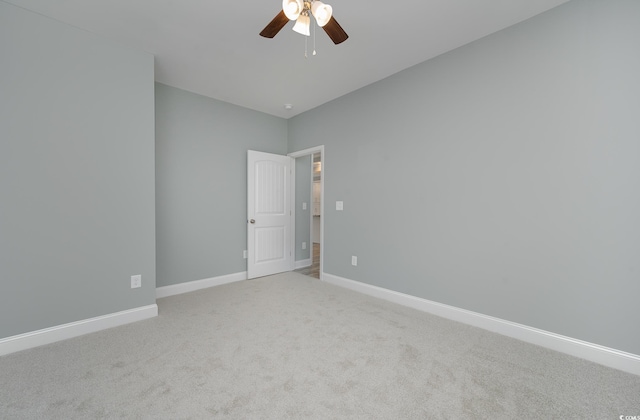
x,y
314,39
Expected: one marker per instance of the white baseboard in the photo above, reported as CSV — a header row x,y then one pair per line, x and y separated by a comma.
x,y
606,356
303,263
190,286
75,329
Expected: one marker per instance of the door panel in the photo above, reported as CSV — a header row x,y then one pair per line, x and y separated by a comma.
x,y
269,214
269,244
269,194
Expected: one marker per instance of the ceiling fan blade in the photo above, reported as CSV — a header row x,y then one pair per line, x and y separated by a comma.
x,y
335,31
275,25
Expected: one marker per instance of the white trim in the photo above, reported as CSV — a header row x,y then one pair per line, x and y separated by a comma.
x,y
303,263
190,286
305,152
75,329
616,359
292,198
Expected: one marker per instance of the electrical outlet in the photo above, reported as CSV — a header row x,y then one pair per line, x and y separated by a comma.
x,y
354,260
304,245
244,254
339,205
136,281
304,206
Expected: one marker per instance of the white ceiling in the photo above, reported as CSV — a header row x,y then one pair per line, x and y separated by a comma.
x,y
212,47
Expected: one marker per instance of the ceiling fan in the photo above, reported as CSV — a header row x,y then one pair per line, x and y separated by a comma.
x,y
299,10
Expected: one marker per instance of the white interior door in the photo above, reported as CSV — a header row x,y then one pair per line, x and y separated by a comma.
x,y
269,221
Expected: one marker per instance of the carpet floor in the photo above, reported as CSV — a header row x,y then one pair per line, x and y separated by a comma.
x,y
289,346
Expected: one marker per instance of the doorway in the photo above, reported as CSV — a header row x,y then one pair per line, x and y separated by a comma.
x,y
309,223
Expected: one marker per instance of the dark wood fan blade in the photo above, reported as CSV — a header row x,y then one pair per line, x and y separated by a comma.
x,y
275,25
335,31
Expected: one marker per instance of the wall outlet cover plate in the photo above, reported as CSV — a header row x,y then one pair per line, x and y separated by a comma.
x,y
136,281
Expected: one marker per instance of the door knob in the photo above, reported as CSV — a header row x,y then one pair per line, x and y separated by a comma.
x,y
252,221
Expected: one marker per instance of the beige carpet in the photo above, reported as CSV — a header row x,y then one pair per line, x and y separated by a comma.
x,y
289,346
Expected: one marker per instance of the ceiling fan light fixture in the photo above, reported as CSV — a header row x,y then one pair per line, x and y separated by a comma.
x,y
302,24
292,8
301,11
322,12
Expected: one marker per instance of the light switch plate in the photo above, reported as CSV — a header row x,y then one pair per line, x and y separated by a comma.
x,y
339,205
354,260
304,206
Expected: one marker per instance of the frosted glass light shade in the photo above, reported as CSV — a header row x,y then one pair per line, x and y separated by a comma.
x,y
302,25
292,8
322,12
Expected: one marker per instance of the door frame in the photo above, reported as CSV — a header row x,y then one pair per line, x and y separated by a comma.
x,y
306,152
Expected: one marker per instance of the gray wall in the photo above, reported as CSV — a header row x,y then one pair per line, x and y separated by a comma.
x,y
76,174
201,182
502,177
303,217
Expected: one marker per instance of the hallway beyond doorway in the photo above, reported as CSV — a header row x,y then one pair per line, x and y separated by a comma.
x,y
314,269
